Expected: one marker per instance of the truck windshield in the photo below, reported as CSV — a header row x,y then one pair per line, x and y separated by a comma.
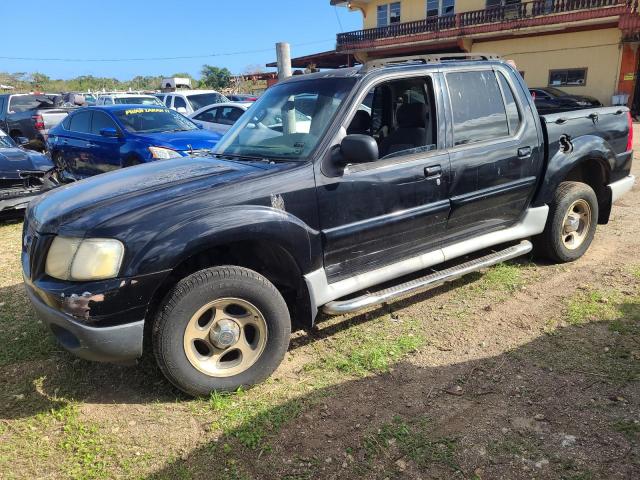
x,y
288,121
137,100
153,120
203,99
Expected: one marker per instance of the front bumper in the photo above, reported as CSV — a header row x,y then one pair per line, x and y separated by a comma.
x,y
621,187
119,343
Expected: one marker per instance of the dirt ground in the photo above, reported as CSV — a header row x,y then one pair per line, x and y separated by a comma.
x,y
527,370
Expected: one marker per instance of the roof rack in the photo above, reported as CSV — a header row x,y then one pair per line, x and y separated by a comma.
x,y
429,58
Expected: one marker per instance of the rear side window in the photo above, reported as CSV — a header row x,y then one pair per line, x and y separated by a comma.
x,y
100,121
207,115
80,122
477,106
179,102
229,115
167,101
513,114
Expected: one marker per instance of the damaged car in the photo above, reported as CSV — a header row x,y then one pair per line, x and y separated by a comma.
x,y
23,174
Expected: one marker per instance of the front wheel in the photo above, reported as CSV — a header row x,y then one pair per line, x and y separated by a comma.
x,y
571,226
220,329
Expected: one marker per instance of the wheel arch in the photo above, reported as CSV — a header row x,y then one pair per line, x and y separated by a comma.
x,y
589,161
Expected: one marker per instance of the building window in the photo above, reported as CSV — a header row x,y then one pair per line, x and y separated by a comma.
x,y
388,14
440,7
501,3
570,77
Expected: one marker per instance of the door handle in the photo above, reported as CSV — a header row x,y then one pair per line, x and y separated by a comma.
x,y
524,152
433,171
90,144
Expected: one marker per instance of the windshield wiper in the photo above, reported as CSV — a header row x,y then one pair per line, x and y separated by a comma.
x,y
236,156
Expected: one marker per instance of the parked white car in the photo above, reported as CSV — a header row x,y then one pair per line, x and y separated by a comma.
x,y
220,117
187,102
122,98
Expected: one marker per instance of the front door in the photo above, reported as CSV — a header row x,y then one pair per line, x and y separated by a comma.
x,y
495,151
377,213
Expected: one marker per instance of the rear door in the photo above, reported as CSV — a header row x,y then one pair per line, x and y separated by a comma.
x,y
76,146
494,151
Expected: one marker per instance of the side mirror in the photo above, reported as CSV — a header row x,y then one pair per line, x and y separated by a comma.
x,y
181,110
358,148
109,132
22,140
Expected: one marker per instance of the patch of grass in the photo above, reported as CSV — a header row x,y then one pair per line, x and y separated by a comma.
x,y
413,442
591,306
505,277
629,428
251,418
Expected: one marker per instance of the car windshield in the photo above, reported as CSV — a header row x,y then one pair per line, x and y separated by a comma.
x,y
5,140
288,121
153,120
203,99
137,100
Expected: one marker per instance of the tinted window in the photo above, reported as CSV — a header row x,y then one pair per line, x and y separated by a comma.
x,y
137,101
478,109
229,115
154,119
513,114
207,116
167,100
203,99
571,76
1,105
80,122
179,102
100,121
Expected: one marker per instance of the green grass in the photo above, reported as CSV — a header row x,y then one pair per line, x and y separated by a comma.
x,y
592,306
504,277
629,428
413,441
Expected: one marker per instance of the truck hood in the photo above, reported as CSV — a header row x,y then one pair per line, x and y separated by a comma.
x,y
16,160
94,200
182,141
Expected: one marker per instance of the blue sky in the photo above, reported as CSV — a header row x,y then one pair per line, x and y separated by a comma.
x,y
90,29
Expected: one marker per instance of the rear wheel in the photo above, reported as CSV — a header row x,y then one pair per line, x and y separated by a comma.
x,y
220,329
571,226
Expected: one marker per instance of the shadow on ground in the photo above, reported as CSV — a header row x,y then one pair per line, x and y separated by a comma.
x,y
563,406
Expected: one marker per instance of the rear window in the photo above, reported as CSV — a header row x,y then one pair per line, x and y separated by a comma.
x,y
203,99
137,101
22,103
153,120
477,106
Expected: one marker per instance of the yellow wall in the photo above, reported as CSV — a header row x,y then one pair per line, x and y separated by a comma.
x,y
597,50
411,10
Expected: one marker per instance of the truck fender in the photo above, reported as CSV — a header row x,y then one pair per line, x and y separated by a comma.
x,y
227,225
583,150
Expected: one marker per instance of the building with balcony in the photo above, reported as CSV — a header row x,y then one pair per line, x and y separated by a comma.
x,y
585,47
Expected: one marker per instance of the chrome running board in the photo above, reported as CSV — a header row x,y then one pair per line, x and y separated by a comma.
x,y
429,281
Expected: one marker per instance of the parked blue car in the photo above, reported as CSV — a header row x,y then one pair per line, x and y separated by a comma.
x,y
95,140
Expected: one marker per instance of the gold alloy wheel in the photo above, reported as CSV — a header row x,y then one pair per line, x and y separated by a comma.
x,y
576,224
225,337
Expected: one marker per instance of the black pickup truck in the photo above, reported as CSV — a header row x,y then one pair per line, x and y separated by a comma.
x,y
401,165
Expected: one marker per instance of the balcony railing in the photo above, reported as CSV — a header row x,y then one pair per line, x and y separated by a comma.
x,y
507,13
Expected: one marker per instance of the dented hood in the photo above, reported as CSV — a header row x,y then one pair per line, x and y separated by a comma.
x,y
89,202
15,160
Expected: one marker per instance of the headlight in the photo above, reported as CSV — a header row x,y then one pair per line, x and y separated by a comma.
x,y
89,259
163,153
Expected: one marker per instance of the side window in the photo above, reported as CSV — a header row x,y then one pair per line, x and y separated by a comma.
x,y
207,116
477,106
167,101
513,114
81,122
400,115
179,102
2,103
229,115
101,120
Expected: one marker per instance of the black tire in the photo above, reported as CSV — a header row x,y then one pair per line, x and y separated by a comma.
x,y
197,290
550,243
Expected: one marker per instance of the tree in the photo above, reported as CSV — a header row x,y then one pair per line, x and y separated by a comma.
x,y
215,77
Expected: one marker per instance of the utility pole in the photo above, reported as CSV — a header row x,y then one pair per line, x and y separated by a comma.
x,y
283,55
